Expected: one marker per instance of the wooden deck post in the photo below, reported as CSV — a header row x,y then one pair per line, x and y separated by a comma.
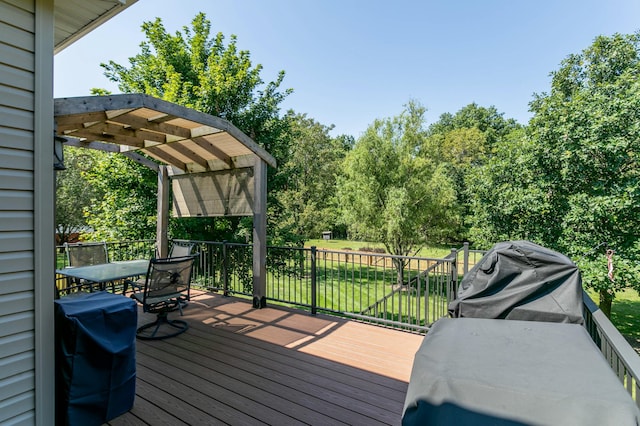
x,y
260,234
163,212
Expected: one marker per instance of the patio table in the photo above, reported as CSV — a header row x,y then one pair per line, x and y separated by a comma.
x,y
107,272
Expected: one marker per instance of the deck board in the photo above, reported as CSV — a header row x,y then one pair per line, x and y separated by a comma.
x,y
239,365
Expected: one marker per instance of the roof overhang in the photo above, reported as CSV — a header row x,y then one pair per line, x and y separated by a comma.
x,y
76,18
136,124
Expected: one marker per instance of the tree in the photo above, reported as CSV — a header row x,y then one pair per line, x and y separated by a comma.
x,y
127,201
193,69
489,121
73,194
308,199
505,199
579,184
464,141
389,193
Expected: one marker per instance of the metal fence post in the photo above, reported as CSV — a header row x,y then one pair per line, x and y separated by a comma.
x,y
466,259
314,308
225,269
454,276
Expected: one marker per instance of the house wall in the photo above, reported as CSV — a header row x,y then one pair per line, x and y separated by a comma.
x,y
26,212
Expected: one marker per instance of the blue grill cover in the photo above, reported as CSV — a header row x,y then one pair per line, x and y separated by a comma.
x,y
95,357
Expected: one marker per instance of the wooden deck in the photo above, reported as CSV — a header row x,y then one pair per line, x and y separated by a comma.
x,y
242,366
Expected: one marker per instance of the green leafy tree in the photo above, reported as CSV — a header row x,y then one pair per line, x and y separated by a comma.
x,y
126,201
505,198
73,194
202,72
489,121
464,141
575,175
587,145
461,149
312,168
389,193
625,274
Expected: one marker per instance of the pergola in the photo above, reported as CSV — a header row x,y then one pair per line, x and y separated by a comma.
x,y
214,168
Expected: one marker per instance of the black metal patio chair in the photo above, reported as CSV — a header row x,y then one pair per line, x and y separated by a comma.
x,y
177,250
85,254
166,282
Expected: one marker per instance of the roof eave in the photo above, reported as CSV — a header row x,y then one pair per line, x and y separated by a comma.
x,y
90,23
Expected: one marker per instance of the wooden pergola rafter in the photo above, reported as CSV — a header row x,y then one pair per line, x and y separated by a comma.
x,y
173,140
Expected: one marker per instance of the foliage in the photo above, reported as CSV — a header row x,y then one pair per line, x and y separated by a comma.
x,y
198,71
463,142
389,193
571,183
587,137
504,198
126,209
206,228
312,167
73,194
489,121
625,275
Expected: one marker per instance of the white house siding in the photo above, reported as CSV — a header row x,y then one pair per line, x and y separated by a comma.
x,y
20,366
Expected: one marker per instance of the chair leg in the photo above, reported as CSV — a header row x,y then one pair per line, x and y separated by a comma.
x,y
162,319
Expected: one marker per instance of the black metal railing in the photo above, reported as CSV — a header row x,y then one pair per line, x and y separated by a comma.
x,y
401,291
365,286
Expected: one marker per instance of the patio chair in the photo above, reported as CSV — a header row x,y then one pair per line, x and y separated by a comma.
x,y
167,280
177,250
181,249
86,254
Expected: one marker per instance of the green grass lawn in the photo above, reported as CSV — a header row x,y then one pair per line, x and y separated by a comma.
x,y
429,252
625,314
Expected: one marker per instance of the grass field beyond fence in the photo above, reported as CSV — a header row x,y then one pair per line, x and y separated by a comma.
x,y
429,251
625,314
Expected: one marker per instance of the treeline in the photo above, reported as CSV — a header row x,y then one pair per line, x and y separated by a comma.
x,y
568,179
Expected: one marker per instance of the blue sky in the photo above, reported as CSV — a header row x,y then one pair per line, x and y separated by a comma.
x,y
352,61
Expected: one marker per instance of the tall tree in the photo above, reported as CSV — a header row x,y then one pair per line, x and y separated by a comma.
x,y
202,72
489,121
313,164
572,183
126,207
465,140
587,144
505,198
389,193
73,194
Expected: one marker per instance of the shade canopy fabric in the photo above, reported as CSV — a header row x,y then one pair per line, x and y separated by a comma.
x,y
520,280
223,193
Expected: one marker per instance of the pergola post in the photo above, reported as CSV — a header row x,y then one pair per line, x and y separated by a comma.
x,y
260,234
163,213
